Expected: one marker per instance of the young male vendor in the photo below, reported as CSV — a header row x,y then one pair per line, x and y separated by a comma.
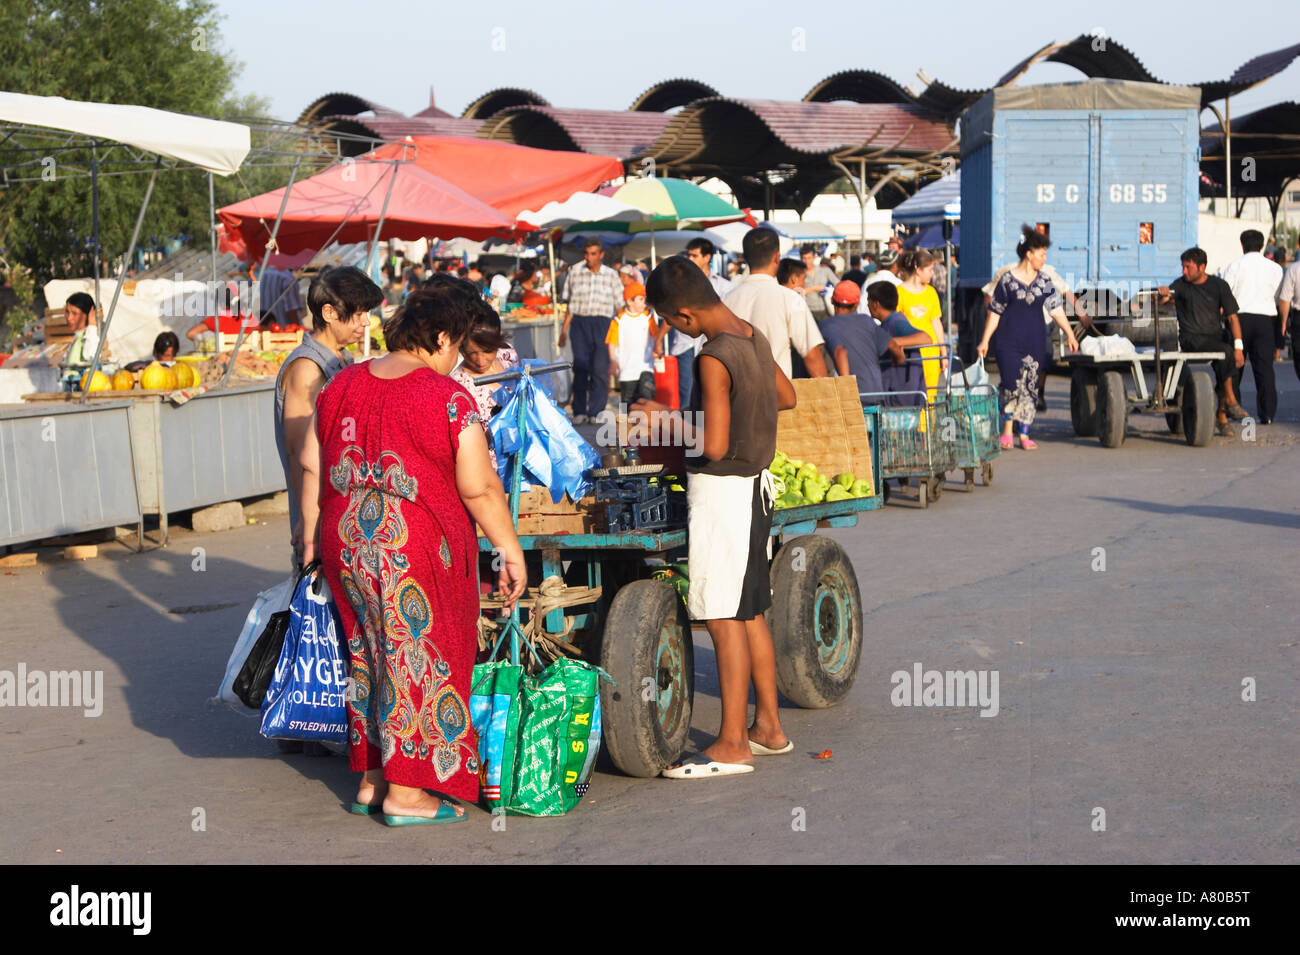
x,y
739,389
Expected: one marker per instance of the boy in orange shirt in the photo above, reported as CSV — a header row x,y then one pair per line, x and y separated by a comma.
x,y
630,340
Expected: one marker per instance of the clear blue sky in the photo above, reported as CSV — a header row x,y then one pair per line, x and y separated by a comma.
x,y
392,51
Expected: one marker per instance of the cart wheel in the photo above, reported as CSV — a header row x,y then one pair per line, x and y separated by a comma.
x,y
1083,402
1198,408
884,491
1175,422
816,621
1112,409
647,650
936,486
922,493
969,474
986,472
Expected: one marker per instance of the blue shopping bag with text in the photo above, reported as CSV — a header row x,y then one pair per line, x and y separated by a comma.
x,y
307,698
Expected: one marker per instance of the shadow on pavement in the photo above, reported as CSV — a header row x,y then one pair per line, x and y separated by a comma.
x,y
1242,515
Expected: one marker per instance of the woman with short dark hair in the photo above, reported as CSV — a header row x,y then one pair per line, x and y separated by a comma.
x,y
1016,315
406,451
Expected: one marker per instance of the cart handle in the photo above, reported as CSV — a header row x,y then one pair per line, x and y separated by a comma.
x,y
524,371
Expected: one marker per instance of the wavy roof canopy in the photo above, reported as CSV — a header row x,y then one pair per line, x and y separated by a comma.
x,y
605,132
1269,138
494,101
671,94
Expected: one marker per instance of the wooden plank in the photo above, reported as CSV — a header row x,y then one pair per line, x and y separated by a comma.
x,y
27,559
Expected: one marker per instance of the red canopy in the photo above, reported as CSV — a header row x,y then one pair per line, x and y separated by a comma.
x,y
507,177
422,205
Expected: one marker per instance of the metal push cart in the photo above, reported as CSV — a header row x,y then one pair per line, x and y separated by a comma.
x,y
912,442
597,600
974,411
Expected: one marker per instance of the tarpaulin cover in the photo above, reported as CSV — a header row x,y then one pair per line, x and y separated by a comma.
x,y
210,144
555,456
1096,94
352,194
507,177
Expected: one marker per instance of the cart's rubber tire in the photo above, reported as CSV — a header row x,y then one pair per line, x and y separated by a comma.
x,y
884,491
1112,409
936,487
647,636
1198,408
816,621
922,495
1083,402
986,472
1175,422
968,476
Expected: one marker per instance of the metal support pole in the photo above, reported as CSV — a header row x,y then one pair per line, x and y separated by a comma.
x,y
1227,146
94,215
212,232
371,256
126,262
266,258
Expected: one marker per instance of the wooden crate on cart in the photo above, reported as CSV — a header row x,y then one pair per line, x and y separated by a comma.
x,y
281,341
538,514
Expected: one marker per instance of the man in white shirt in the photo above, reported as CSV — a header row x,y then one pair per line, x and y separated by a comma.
x,y
780,314
887,272
1287,299
1256,285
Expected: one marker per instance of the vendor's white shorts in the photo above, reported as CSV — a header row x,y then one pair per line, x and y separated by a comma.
x,y
730,521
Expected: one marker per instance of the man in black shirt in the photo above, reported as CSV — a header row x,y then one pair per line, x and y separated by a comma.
x,y
855,274
1204,303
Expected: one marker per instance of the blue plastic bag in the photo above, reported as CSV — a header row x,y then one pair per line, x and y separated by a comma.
x,y
555,456
307,698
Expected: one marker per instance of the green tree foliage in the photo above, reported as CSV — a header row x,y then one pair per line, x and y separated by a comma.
x,y
165,54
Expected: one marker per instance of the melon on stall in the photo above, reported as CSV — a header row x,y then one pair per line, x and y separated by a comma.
x,y
123,381
186,376
158,377
98,382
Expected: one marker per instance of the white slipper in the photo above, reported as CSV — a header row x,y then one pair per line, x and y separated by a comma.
x,y
699,766
758,749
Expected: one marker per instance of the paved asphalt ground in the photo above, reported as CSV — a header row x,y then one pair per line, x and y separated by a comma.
x,y
1120,690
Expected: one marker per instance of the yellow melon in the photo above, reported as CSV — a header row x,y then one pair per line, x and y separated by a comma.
x,y
123,381
98,382
185,376
157,377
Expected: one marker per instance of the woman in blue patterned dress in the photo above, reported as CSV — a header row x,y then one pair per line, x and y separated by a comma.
x,y
1016,316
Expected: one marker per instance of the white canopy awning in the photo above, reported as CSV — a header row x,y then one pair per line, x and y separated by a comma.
x,y
210,144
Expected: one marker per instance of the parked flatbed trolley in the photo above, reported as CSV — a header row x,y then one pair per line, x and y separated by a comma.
x,y
1100,400
636,628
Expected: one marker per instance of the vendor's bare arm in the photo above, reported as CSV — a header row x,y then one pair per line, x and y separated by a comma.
x,y
841,361
785,396
715,387
816,363
302,385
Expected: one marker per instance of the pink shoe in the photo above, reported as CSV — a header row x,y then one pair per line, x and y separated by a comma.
x,y
1027,443
1008,442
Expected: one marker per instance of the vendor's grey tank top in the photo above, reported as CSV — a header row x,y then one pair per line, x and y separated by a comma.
x,y
330,365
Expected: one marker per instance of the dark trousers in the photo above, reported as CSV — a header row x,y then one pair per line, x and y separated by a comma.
x,y
1258,345
686,378
590,363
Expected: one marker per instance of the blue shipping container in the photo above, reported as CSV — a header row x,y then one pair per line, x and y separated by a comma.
x,y
1108,168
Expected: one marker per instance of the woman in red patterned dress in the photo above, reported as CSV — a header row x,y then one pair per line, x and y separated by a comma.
x,y
407,457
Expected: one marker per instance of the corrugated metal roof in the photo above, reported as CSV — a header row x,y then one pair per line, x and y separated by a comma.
x,y
768,132
670,94
494,101
859,86
601,131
